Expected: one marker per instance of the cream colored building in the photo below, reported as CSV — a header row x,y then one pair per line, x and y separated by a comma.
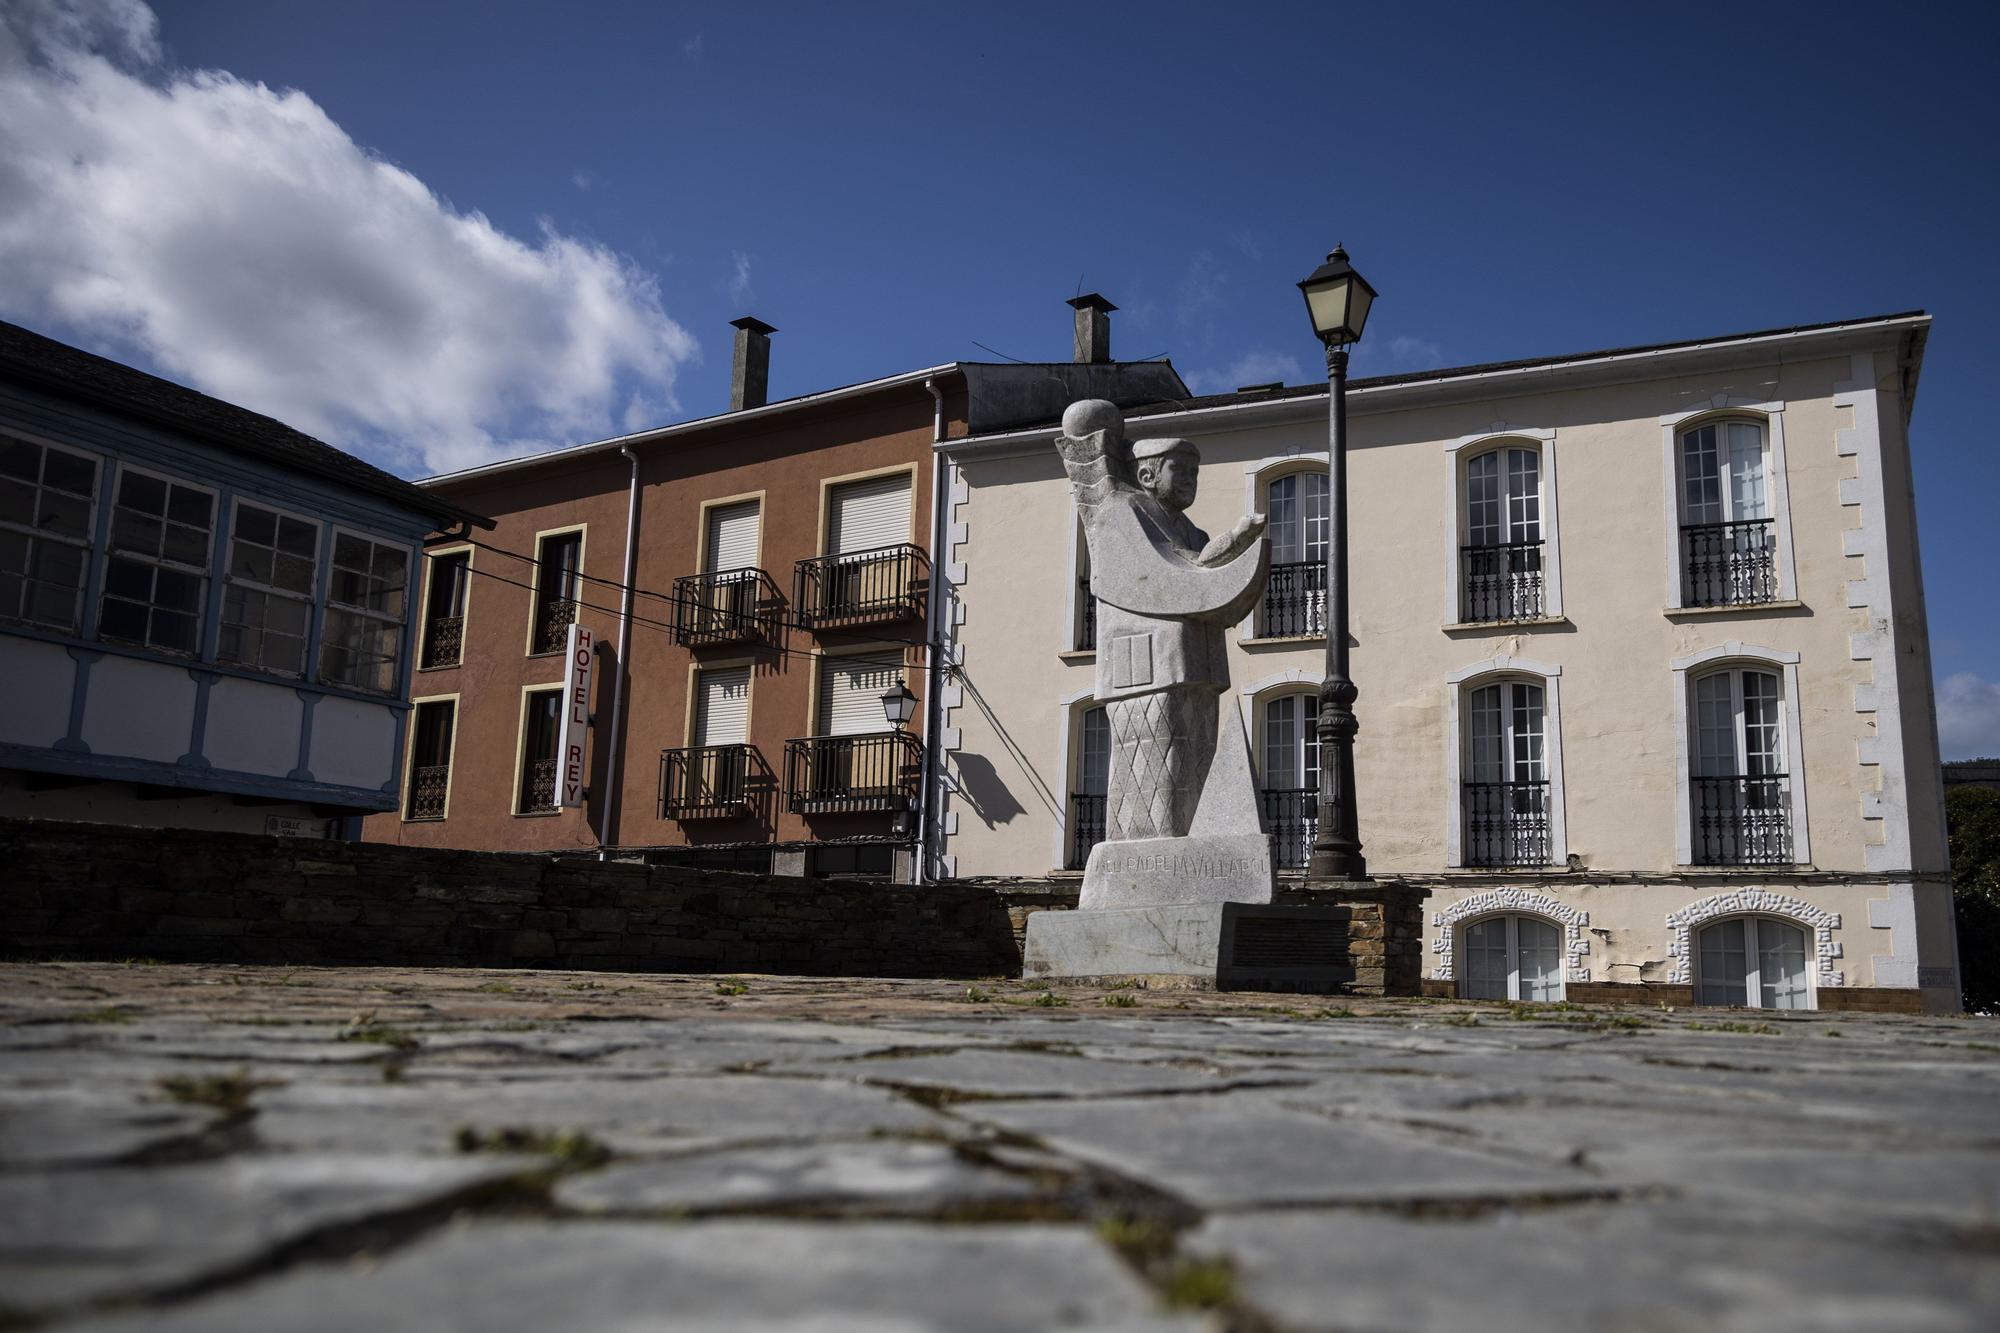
x,y
1640,641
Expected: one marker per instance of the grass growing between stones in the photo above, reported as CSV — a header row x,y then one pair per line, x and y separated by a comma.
x,y
1755,1029
572,1148
1119,1002
109,1014
974,995
225,1092
1183,1283
496,988
731,986
363,1027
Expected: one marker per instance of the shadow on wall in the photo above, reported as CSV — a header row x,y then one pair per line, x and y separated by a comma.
x,y
982,788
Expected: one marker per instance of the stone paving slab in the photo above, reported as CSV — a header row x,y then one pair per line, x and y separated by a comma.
x,y
217,1148
870,1278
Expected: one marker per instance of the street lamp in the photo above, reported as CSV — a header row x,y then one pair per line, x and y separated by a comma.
x,y
1338,299
899,705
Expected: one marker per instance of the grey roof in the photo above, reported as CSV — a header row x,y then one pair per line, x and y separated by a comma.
x,y
1268,394
44,363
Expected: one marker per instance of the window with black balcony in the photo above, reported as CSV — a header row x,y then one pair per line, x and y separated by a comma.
x,y
1093,779
558,585
1729,538
541,717
719,773
431,733
1740,802
1290,793
853,765
1501,575
444,609
1504,797
1295,598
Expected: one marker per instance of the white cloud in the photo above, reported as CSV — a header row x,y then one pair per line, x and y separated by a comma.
x,y
691,47
582,179
1250,368
1968,716
739,283
238,237
1201,289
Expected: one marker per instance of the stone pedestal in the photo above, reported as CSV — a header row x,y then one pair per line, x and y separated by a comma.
x,y
1219,945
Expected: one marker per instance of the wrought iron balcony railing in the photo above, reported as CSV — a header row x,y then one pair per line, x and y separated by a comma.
x,y
730,606
444,640
1086,827
1506,823
852,774
711,781
1501,582
1730,564
1742,821
552,621
1295,600
428,785
1086,617
1291,816
862,587
538,786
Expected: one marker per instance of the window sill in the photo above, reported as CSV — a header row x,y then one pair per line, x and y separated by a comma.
x,y
1731,609
1760,868
1269,640
1489,626
423,819
1489,872
441,666
1078,655
536,814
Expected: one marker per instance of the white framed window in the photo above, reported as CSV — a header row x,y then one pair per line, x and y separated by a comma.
x,y
1503,549
48,509
1089,782
1289,775
448,593
1294,602
1742,785
156,572
1503,772
1728,511
558,588
367,599
1511,958
1760,962
268,590
536,791
1506,791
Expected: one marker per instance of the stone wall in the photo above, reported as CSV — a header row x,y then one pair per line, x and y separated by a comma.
x,y
103,891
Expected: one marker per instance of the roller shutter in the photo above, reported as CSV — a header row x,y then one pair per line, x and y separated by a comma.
x,y
722,709
732,537
868,515
850,695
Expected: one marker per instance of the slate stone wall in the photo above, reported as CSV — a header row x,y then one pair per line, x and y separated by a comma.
x,y
102,891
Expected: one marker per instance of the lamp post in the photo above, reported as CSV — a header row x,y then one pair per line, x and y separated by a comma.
x,y
1338,299
899,705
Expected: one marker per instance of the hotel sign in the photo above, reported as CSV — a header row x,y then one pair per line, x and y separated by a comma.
x,y
570,767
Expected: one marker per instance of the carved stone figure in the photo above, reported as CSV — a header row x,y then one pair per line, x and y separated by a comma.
x,y
1182,823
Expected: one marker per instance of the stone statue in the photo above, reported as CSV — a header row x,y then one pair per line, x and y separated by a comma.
x,y
1181,817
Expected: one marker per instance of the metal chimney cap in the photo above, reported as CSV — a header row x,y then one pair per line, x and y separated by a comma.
x,y
1092,301
752,324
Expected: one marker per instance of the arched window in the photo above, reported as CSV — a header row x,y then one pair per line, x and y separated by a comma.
x,y
1290,777
1757,961
1501,557
1512,958
1505,792
1740,791
1088,784
1295,598
1729,537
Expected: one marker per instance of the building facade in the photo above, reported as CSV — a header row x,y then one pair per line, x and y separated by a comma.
x,y
778,564
1640,641
204,614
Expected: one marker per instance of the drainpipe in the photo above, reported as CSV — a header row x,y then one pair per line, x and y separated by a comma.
x,y
624,651
930,798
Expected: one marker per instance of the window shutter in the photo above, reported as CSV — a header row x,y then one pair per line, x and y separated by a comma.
x,y
732,537
868,515
722,711
850,695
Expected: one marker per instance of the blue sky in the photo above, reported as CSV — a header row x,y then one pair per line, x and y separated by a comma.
x,y
535,220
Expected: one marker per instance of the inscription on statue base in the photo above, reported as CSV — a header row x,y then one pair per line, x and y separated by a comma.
x,y
1202,868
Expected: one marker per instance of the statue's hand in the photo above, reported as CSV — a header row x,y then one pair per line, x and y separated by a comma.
x,y
1239,539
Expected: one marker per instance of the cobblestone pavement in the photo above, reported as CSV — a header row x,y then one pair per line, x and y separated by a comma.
x,y
232,1148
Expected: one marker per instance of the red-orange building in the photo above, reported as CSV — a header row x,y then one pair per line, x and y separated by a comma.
x,y
756,582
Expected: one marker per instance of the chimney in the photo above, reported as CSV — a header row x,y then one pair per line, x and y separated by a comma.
x,y
1093,328
750,375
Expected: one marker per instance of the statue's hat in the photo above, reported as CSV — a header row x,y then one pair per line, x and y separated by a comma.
x,y
1154,448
